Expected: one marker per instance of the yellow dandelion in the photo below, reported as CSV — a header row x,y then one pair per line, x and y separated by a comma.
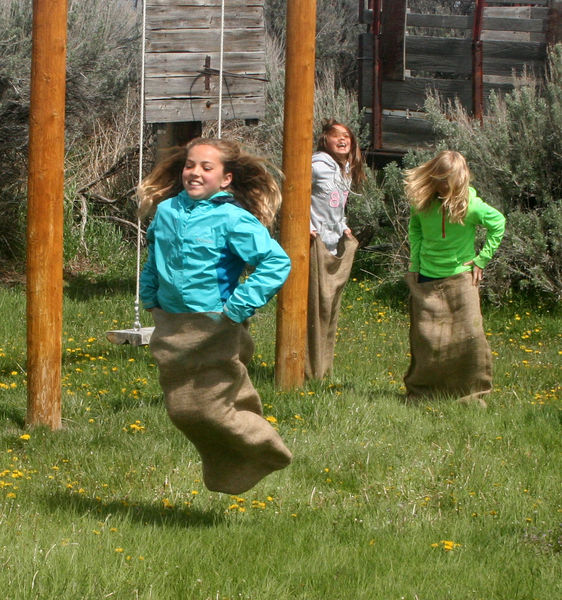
x,y
25,436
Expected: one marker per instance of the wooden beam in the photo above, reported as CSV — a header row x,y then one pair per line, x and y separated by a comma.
x,y
205,17
477,62
393,49
376,103
45,213
295,210
554,26
203,41
203,109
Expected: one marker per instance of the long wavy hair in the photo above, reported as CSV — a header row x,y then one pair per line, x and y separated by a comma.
x,y
253,185
355,158
445,177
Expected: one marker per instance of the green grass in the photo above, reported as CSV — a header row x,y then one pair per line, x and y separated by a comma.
x,y
384,500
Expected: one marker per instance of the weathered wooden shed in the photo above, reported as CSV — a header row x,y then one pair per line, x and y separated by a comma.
x,y
403,54
183,60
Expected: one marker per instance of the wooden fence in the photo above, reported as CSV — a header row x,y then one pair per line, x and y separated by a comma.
x,y
404,54
182,60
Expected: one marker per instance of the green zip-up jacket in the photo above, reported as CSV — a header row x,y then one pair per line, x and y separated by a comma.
x,y
439,248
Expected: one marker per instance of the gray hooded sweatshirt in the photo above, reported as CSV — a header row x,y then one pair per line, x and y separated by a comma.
x,y
329,196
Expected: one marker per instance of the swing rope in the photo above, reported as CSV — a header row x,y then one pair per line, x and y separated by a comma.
x,y
221,56
140,335
137,323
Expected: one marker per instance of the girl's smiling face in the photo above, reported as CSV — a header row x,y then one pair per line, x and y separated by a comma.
x,y
203,174
338,142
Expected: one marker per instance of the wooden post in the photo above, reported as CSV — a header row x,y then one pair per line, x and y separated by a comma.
x,y
377,77
393,41
477,62
45,213
554,24
175,134
295,210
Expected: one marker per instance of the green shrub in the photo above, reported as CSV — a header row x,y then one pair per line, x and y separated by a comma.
x,y
102,65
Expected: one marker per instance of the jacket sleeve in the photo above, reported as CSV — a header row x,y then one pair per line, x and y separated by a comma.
x,y
251,241
415,238
149,277
494,222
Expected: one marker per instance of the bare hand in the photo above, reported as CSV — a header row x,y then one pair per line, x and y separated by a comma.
x,y
476,272
313,234
347,232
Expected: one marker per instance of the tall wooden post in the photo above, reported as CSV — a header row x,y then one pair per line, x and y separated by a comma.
x,y
45,213
477,62
376,121
295,210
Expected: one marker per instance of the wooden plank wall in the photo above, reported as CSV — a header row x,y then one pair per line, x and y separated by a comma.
x,y
182,38
514,40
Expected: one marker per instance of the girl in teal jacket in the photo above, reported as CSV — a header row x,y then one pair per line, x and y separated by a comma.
x,y
213,205
203,236
448,347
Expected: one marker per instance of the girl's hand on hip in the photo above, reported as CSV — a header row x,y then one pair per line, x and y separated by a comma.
x,y
347,232
476,272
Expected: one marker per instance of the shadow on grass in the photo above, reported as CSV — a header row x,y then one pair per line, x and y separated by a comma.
x,y
146,513
84,287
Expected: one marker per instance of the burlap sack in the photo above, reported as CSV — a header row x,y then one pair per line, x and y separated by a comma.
x,y
210,398
328,275
450,354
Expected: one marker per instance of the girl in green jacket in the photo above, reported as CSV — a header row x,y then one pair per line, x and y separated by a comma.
x,y
448,346
444,214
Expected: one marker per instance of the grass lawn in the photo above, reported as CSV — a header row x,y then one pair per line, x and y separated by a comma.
x,y
384,500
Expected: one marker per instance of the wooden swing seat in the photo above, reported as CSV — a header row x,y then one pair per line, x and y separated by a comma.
x,y
134,337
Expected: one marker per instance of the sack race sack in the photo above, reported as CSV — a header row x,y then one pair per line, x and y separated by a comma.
x,y
450,354
327,277
202,361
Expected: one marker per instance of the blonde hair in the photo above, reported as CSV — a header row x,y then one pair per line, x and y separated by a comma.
x,y
355,158
253,185
446,176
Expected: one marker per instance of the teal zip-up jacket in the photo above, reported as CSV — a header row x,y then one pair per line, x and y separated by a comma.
x,y
439,248
197,251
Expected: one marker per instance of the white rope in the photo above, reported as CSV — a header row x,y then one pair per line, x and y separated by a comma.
x,y
219,133
137,324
